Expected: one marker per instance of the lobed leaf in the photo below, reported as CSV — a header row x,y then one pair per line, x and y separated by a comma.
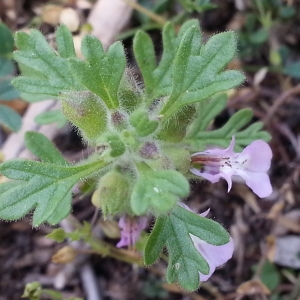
x,y
7,40
7,70
200,136
52,116
185,261
9,118
158,78
44,187
198,74
159,191
102,72
46,72
41,147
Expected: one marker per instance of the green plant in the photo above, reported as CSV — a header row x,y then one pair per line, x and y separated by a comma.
x,y
143,138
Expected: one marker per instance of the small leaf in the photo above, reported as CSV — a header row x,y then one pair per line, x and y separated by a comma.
x,y
41,147
174,129
206,113
144,53
158,190
158,80
269,275
57,235
52,116
7,70
51,74
9,118
45,181
142,123
64,41
198,74
222,136
7,40
102,72
115,144
292,69
185,261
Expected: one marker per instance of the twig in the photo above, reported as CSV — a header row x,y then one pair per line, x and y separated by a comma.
x,y
279,101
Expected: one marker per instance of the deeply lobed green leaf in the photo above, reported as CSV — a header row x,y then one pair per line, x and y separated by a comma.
x,y
102,72
185,261
199,136
158,191
50,73
42,186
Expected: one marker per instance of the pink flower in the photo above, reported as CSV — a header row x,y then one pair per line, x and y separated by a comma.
x,y
251,165
215,256
131,228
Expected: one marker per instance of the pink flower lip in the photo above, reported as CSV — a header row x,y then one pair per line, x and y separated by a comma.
x,y
131,228
252,165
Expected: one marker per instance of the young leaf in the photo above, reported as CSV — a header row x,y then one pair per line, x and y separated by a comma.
x,y
45,181
52,116
51,74
159,191
222,136
185,261
57,234
158,79
86,111
64,41
7,70
199,74
9,118
207,110
41,147
142,123
102,72
7,40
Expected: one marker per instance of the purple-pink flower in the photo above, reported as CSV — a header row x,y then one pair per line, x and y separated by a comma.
x,y
215,256
131,228
252,165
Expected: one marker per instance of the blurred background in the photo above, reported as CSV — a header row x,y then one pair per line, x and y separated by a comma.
x,y
266,261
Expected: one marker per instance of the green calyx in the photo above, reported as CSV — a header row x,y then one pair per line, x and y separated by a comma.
x,y
112,194
87,112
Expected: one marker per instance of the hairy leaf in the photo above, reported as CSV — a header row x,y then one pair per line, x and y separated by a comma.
x,y
7,70
158,191
41,147
9,118
185,261
200,135
52,116
46,72
198,73
44,187
158,78
102,72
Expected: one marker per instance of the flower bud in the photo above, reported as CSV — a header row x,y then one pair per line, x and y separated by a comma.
x,y
87,112
149,150
180,158
112,195
64,255
174,129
